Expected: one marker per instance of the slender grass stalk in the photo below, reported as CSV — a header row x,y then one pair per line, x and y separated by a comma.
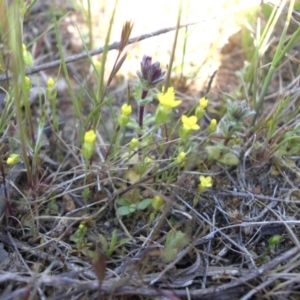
x,y
169,71
100,90
76,105
262,41
20,89
89,23
279,54
184,43
18,69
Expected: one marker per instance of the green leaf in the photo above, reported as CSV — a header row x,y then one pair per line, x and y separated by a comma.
x,y
213,152
123,211
114,239
103,241
144,203
176,240
170,254
123,242
229,159
132,207
123,201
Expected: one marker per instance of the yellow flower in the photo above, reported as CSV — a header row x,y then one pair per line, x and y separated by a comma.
x,y
205,183
167,99
90,137
203,102
89,144
13,159
126,109
190,123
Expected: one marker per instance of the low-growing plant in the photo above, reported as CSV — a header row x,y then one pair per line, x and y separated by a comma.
x,y
126,208
175,242
138,163
110,247
79,237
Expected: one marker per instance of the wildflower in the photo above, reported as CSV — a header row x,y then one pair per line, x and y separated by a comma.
x,y
157,202
205,183
124,118
88,144
180,158
203,103
90,137
13,159
133,143
167,99
167,102
151,73
212,127
200,109
126,109
190,123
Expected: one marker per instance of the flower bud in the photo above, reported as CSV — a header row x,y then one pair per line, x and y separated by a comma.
x,y
157,202
133,144
13,159
50,83
162,115
180,158
212,126
126,109
89,144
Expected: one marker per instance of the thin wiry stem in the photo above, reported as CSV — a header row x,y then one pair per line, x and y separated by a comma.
x,y
76,57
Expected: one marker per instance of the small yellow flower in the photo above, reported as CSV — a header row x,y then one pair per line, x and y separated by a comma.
x,y
126,109
13,159
50,83
205,183
203,102
190,123
90,137
167,99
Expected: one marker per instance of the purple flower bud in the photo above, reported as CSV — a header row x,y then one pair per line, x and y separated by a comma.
x,y
151,73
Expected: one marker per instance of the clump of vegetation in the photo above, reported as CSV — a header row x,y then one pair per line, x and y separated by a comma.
x,y
160,203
